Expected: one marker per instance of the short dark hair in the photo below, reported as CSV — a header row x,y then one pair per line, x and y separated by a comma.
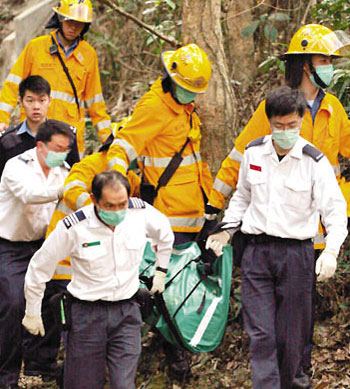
x,y
52,127
285,100
35,84
108,178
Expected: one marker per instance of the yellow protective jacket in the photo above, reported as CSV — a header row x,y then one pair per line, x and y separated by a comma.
x,y
330,133
77,188
82,64
157,130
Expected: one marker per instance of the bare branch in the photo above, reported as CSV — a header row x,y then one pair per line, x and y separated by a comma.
x,y
311,2
172,41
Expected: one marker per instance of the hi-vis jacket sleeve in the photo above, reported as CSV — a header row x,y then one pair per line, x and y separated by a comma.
x,y
331,206
240,200
145,124
9,92
77,186
95,101
42,266
159,230
227,177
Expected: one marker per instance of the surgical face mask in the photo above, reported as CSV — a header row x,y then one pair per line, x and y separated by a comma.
x,y
111,218
325,72
55,158
285,139
184,96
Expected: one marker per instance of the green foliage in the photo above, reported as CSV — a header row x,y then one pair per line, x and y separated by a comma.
x,y
341,82
333,13
266,22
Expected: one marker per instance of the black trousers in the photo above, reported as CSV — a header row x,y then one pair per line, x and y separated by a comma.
x,y
277,283
15,342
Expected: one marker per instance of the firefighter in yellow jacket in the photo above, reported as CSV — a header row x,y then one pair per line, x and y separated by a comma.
x,y
43,55
164,123
325,124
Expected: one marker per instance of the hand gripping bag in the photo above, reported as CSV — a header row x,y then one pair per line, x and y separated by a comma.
x,y
192,312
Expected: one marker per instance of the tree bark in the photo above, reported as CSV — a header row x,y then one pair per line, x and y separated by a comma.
x,y
201,24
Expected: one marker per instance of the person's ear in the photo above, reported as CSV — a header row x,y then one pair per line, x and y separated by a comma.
x,y
93,199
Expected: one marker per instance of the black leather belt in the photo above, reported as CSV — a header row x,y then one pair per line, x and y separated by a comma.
x,y
103,302
264,238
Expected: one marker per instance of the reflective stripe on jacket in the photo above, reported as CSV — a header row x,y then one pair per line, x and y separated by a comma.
x,y
82,64
157,130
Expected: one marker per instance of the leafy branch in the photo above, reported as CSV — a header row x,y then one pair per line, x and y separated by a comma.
x,y
172,41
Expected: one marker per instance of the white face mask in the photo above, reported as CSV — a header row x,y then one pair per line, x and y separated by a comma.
x,y
285,139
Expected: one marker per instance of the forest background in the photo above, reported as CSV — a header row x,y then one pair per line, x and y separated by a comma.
x,y
243,41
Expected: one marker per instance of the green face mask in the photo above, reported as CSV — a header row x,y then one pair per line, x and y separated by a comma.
x,y
184,96
325,72
55,158
285,139
111,218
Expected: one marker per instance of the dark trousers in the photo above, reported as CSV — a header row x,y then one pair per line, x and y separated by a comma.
x,y
103,334
14,259
277,282
306,360
14,340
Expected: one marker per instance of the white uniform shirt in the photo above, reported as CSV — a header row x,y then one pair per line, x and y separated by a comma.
x,y
27,197
105,264
285,198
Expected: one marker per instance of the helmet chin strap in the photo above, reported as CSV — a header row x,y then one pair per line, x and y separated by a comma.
x,y
316,77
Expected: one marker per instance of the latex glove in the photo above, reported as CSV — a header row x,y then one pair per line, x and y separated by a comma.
x,y
60,191
33,324
158,282
326,265
217,241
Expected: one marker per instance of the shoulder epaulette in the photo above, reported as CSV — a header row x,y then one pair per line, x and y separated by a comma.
x,y
73,129
24,158
8,130
312,152
256,142
66,165
135,202
74,218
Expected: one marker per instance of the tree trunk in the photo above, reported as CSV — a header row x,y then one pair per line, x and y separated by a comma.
x,y
201,24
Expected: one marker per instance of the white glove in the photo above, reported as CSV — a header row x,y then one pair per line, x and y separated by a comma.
x,y
33,324
60,191
326,265
217,241
158,284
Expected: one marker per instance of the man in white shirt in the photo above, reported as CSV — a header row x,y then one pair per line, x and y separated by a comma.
x,y
30,187
285,185
105,241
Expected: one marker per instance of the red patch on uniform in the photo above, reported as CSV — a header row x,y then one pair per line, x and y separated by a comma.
x,y
255,167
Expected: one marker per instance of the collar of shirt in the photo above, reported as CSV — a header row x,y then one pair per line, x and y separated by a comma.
x,y
25,129
317,103
70,49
